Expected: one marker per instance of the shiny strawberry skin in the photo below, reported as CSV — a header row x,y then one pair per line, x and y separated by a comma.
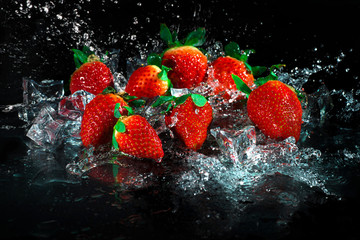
x,y
139,139
92,77
275,109
190,123
144,82
219,75
188,66
98,119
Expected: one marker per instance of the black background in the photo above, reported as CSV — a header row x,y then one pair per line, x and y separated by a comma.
x,y
280,31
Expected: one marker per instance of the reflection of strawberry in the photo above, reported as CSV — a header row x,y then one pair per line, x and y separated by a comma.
x,y
190,120
274,108
92,76
220,71
149,81
98,119
135,136
187,62
124,170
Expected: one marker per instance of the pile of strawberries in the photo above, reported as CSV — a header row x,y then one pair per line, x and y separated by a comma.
x,y
272,106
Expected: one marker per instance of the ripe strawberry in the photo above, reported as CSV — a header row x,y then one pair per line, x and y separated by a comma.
x,y
187,62
92,76
98,119
220,80
149,81
135,136
190,119
220,71
275,109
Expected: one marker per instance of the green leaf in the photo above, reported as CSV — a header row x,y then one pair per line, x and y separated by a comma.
x,y
278,66
115,169
114,142
80,56
129,109
138,103
154,59
165,34
232,49
164,76
246,53
261,81
240,85
120,126
258,70
248,67
117,113
86,50
108,90
163,99
77,62
196,38
199,100
181,100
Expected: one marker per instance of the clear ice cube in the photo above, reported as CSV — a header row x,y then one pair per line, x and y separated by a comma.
x,y
233,143
178,92
47,127
34,94
73,106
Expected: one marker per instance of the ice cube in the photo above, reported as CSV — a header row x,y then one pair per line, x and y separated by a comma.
x,y
47,127
73,106
49,91
234,143
178,92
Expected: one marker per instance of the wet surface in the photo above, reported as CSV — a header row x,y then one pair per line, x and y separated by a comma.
x,y
269,190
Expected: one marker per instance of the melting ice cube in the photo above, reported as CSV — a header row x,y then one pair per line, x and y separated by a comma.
x,y
47,127
233,143
178,92
73,106
34,94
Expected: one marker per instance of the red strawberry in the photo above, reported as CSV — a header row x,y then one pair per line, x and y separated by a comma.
x,y
98,119
190,120
149,81
135,136
187,62
188,66
274,108
220,75
220,71
92,76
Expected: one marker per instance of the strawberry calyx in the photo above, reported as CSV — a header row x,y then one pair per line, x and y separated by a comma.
x,y
120,126
195,38
232,49
271,76
172,101
85,55
155,59
242,87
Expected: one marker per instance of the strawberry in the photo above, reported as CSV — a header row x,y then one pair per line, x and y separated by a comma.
x,y
135,136
187,62
220,72
91,75
98,119
149,81
274,108
189,119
